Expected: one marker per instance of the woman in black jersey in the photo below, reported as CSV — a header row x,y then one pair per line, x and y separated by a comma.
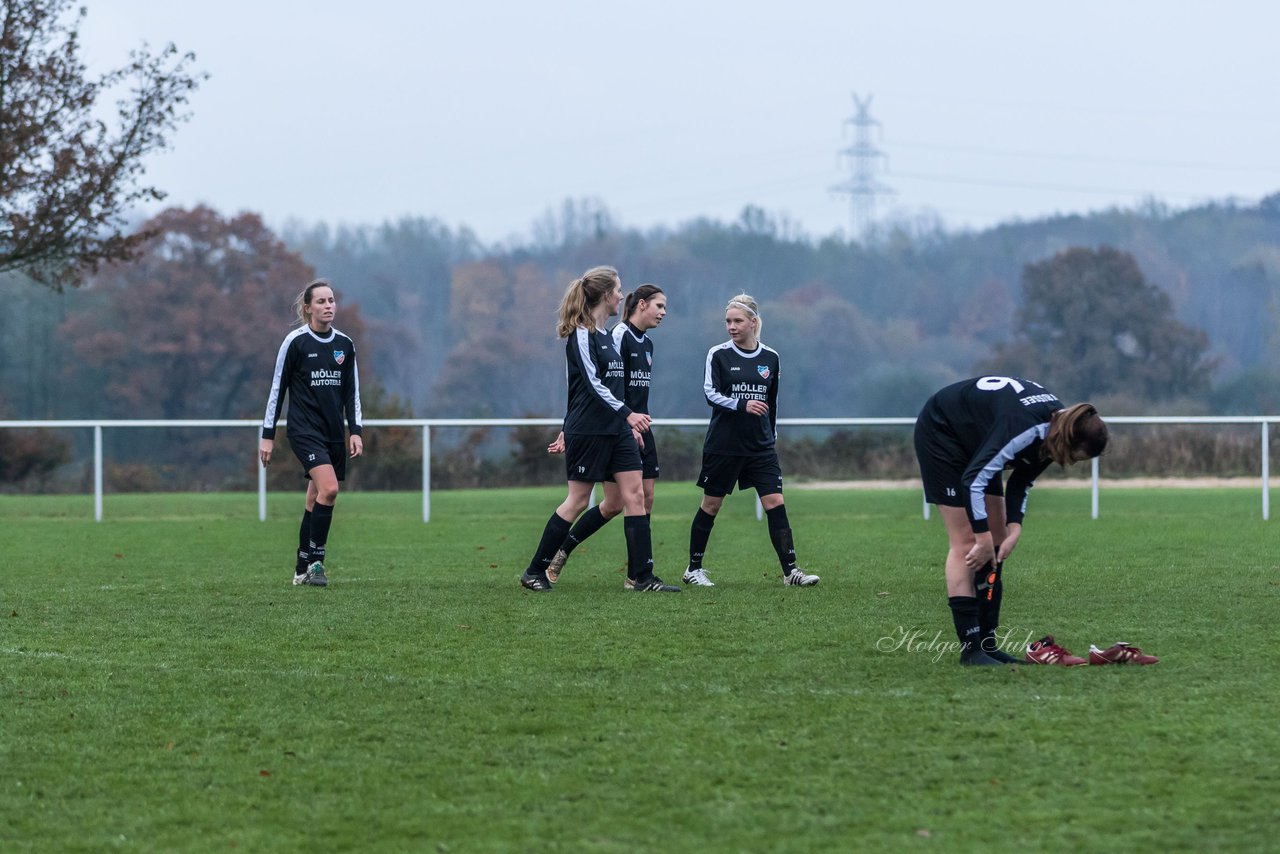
x,y
740,382
602,436
316,364
966,435
644,309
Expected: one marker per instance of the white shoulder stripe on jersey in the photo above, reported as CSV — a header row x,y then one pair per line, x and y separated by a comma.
x,y
585,356
714,397
977,492
273,399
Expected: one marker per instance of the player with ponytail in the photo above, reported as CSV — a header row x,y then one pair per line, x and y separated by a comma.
x,y
602,435
644,309
316,365
966,435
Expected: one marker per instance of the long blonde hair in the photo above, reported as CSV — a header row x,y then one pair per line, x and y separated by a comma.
x,y
747,303
583,295
1076,429
302,300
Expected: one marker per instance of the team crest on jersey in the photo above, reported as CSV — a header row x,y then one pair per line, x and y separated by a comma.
x,y
339,356
764,371
649,358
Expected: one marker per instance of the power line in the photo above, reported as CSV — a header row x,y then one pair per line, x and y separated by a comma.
x,y
1086,158
864,160
1034,185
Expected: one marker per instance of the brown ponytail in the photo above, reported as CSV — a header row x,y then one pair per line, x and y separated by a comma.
x,y
644,292
582,295
1076,433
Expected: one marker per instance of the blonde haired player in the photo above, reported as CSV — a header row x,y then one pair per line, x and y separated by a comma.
x,y
740,382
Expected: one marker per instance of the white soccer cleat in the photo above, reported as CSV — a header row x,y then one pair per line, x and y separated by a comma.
x,y
697,577
799,578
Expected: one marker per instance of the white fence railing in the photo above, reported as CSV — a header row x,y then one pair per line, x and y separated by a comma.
x,y
1264,421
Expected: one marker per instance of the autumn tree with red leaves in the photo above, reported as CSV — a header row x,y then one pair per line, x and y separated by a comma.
x,y
190,328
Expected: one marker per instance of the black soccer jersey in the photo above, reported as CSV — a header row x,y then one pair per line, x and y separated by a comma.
x,y
996,423
732,377
319,372
636,350
596,385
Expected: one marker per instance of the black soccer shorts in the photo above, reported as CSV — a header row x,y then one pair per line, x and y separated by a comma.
x,y
942,466
313,452
721,471
594,459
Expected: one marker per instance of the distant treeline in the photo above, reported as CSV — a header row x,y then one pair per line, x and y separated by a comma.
x,y
864,327
447,326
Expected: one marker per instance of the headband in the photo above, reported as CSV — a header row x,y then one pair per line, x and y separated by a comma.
x,y
742,305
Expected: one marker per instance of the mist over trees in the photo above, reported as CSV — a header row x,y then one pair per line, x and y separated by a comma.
x,y
1090,320
192,325
1177,308
1143,311
1145,307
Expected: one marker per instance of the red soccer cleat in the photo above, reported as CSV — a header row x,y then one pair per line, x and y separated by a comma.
x,y
1120,653
1046,651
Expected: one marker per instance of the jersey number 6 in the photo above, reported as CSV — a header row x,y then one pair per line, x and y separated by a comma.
x,y
997,383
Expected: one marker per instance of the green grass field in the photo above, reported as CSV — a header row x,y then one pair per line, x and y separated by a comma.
x,y
164,687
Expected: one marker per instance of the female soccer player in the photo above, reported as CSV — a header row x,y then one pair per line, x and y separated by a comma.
x,y
602,435
316,364
965,437
741,386
644,309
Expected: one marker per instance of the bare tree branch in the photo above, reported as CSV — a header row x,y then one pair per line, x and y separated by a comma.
x,y
67,179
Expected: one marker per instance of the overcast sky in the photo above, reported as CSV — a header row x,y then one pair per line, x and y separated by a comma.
x,y
484,114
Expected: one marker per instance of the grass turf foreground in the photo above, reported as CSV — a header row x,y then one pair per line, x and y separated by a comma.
x,y
164,687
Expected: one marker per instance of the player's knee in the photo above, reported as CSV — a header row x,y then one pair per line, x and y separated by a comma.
x,y
634,498
327,494
572,507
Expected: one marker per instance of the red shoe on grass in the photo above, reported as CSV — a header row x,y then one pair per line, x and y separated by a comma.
x,y
1046,651
1120,653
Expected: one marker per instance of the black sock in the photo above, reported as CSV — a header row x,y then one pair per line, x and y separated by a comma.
x,y
699,534
588,523
990,587
639,547
304,543
780,534
964,613
552,536
321,519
